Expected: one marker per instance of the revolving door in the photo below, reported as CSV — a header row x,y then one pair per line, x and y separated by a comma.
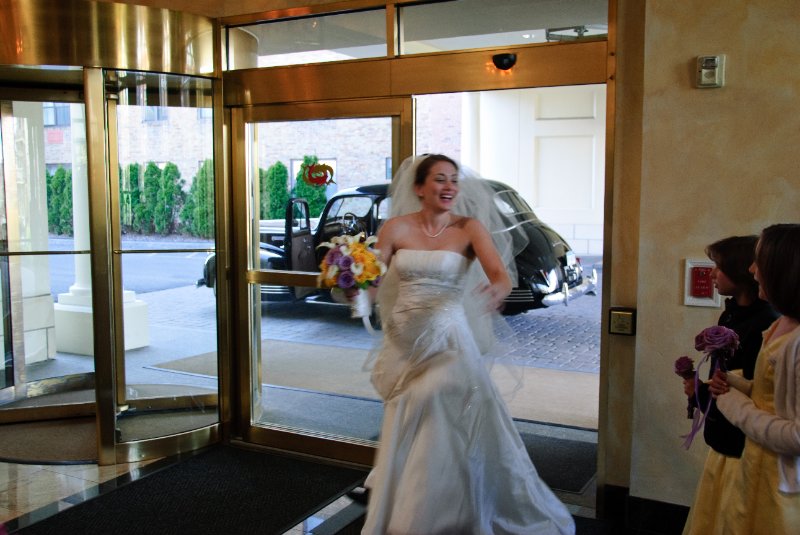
x,y
106,216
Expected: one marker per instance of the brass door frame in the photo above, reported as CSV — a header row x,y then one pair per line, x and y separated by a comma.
x,y
307,91
540,65
241,276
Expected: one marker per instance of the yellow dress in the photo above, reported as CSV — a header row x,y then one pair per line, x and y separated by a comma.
x,y
753,504
712,495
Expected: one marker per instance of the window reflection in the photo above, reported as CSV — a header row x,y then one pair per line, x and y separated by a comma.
x,y
469,24
338,37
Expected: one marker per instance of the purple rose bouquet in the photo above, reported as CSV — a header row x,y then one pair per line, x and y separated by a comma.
x,y
684,368
718,344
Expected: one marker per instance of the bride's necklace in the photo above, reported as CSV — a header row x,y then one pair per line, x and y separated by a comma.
x,y
435,235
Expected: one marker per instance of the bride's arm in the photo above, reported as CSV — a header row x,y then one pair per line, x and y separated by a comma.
x,y
387,236
499,282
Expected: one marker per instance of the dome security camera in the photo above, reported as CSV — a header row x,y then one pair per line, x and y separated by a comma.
x,y
504,61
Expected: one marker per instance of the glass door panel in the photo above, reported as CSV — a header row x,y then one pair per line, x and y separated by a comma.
x,y
45,279
163,232
308,356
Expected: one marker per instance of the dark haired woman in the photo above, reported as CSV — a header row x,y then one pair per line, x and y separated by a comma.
x,y
747,315
450,459
766,488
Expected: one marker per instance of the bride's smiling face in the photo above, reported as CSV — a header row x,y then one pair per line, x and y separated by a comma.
x,y
440,187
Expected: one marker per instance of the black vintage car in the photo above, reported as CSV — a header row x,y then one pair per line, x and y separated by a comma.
x,y
549,271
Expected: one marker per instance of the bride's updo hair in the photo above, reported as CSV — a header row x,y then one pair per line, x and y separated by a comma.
x,y
424,167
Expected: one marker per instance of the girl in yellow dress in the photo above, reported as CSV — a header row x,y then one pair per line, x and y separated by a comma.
x,y
765,491
748,316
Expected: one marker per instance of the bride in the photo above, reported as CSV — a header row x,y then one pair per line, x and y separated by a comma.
x,y
450,459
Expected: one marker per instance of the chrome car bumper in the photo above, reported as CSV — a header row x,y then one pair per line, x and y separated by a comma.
x,y
587,287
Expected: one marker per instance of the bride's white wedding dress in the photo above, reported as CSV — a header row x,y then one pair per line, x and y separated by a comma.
x,y
450,459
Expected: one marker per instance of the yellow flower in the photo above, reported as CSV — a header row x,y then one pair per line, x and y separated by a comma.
x,y
371,271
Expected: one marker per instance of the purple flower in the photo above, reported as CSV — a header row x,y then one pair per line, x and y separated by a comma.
x,y
716,338
345,280
345,262
684,367
333,256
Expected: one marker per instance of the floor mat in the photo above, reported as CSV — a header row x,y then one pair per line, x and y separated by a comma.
x,y
221,490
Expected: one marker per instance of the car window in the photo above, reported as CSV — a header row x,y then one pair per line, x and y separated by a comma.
x,y
299,216
384,210
359,206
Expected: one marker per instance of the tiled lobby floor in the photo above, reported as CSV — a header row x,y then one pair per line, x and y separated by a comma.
x,y
28,488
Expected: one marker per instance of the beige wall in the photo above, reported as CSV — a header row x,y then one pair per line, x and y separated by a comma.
x,y
714,162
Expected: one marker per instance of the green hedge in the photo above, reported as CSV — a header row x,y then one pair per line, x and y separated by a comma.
x,y
153,200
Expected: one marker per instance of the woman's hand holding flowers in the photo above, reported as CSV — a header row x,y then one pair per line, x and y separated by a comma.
x,y
719,344
719,384
688,387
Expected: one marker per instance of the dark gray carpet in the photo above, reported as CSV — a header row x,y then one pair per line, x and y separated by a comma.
x,y
565,465
223,490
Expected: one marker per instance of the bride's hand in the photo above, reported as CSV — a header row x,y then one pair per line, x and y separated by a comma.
x,y
351,293
493,295
344,296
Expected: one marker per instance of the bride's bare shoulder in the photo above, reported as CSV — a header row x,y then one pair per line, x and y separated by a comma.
x,y
401,221
463,221
396,225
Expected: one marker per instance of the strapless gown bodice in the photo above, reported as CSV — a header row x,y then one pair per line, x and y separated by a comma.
x,y
429,300
450,459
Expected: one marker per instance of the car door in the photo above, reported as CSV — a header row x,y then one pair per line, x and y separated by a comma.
x,y
299,243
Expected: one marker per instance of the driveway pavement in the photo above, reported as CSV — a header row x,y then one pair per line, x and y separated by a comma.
x,y
565,338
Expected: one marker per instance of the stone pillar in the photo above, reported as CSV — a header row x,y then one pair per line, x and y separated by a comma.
x,y
30,204
73,311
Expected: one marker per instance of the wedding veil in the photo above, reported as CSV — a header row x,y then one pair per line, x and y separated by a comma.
x,y
476,199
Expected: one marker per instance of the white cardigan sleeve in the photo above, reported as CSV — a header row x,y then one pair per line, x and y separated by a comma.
x,y
779,432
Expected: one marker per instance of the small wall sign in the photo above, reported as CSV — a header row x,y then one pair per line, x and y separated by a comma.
x,y
699,290
622,320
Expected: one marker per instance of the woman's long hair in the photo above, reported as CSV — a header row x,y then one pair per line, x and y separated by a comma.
x,y
778,261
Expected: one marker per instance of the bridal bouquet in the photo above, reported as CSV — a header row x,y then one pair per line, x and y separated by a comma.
x,y
352,263
718,344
